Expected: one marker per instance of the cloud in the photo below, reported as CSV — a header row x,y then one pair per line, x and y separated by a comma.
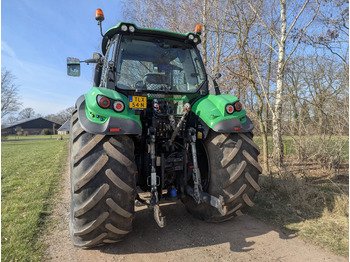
x,y
7,49
10,53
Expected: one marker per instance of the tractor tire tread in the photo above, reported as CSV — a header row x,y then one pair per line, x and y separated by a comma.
x,y
234,175
103,184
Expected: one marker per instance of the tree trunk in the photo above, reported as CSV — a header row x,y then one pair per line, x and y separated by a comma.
x,y
277,121
263,133
204,33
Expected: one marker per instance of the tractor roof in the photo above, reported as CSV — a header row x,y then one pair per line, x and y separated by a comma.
x,y
139,30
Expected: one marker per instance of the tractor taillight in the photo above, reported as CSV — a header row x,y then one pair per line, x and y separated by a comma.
x,y
230,109
238,106
118,106
103,101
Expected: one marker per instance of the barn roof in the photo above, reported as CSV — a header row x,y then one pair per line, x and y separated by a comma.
x,y
36,122
65,126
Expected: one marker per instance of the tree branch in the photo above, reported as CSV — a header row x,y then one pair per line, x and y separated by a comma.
x,y
274,35
297,17
299,39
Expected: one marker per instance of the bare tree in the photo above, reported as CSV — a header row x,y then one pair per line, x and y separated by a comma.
x,y
10,99
246,40
26,113
62,116
281,40
316,108
250,59
333,20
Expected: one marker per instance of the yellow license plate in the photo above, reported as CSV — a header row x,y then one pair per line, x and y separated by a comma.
x,y
137,102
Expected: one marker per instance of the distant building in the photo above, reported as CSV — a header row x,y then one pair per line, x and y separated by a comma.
x,y
30,126
65,128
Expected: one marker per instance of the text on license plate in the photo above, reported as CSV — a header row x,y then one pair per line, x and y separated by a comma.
x,y
137,102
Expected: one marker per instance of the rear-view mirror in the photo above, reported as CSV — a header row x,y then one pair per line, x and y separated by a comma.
x,y
73,66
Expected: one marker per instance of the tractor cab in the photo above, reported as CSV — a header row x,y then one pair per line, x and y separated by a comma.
x,y
155,63
148,60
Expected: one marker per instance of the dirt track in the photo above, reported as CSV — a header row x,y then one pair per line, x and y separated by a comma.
x,y
183,239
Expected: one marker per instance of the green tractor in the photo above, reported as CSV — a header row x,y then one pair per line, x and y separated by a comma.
x,y
155,122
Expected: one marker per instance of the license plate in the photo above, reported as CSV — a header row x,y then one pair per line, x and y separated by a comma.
x,y
137,102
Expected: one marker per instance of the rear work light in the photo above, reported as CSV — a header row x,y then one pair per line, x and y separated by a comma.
x,y
131,28
193,38
128,28
103,101
124,28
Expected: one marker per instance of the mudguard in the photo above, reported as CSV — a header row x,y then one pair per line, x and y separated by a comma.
x,y
96,120
211,110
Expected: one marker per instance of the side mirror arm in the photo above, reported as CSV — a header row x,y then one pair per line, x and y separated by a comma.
x,y
216,86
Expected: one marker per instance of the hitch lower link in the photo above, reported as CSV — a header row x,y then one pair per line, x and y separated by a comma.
x,y
155,181
197,192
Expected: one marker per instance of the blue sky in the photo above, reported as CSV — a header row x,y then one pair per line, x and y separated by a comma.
x,y
36,38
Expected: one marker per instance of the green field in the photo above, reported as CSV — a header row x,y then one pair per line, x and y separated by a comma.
x,y
31,171
9,138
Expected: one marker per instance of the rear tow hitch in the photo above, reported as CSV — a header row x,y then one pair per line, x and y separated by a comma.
x,y
158,217
213,201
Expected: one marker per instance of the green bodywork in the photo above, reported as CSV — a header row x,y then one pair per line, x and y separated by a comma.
x,y
211,109
99,115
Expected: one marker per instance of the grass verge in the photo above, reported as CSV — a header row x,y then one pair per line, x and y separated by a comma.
x,y
317,210
30,174
289,143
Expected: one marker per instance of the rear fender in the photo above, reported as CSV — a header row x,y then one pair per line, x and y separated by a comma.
x,y
211,110
96,120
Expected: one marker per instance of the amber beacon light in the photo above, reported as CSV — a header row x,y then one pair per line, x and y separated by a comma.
x,y
99,16
198,30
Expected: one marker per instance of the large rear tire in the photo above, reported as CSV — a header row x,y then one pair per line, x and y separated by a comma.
x,y
231,170
102,186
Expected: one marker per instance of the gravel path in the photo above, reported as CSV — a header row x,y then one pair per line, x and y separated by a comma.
x,y
183,239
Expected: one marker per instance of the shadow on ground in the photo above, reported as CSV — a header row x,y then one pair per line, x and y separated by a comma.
x,y
183,231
